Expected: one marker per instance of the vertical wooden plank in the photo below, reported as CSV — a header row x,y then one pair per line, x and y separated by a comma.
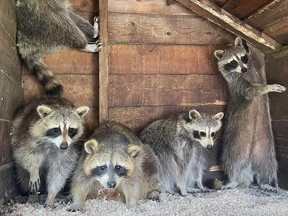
x,y
103,62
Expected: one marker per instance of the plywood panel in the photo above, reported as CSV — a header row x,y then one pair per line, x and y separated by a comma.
x,y
146,7
80,89
11,96
277,73
72,62
139,117
165,90
278,30
139,28
244,8
162,59
5,130
85,5
268,14
9,61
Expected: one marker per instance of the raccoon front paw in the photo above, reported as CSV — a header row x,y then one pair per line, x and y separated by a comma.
x,y
76,208
93,47
34,186
276,88
269,188
154,195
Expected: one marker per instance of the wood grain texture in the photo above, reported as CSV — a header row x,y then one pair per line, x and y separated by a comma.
x,y
244,8
67,62
162,59
103,63
278,30
80,89
11,96
269,14
137,118
225,20
9,61
85,5
5,153
153,29
166,90
276,67
146,7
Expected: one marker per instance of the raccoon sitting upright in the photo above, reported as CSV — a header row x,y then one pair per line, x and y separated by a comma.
x,y
248,145
45,144
179,143
47,25
115,158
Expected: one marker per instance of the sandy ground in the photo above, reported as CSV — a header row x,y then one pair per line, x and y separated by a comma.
x,y
235,202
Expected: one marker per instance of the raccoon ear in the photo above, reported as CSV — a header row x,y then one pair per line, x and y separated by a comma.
x,y
219,116
91,146
240,42
194,114
82,111
43,111
218,54
133,150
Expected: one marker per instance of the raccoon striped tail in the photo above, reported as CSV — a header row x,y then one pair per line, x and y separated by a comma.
x,y
45,76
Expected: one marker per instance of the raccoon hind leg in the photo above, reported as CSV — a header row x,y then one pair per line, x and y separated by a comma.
x,y
44,75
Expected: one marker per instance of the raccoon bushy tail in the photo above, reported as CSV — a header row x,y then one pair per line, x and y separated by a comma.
x,y
44,75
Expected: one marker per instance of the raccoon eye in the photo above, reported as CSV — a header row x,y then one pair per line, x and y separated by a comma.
x,y
99,170
202,134
72,132
244,59
213,134
53,132
120,171
234,63
103,167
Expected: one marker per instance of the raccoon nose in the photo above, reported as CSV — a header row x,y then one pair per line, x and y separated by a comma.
x,y
64,145
209,146
111,184
244,70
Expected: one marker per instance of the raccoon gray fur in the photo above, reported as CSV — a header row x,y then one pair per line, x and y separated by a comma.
x,y
114,158
48,25
179,143
45,142
248,144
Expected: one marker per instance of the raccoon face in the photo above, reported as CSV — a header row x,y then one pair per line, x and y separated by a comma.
x,y
203,128
109,166
234,59
60,126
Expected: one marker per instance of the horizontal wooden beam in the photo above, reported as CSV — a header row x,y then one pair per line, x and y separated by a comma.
x,y
229,22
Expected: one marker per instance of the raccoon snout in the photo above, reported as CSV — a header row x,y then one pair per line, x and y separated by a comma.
x,y
64,145
209,146
111,184
243,70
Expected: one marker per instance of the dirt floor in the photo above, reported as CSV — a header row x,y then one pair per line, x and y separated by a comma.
x,y
235,202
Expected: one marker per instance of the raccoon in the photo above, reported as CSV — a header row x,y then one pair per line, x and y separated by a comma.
x,y
45,144
115,158
248,145
179,143
48,25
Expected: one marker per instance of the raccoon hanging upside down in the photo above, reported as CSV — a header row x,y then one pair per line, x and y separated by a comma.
x,y
48,25
248,144
45,139
115,158
179,143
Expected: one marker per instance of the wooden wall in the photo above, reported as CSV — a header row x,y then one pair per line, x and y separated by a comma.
x,y
11,93
160,61
77,71
277,65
